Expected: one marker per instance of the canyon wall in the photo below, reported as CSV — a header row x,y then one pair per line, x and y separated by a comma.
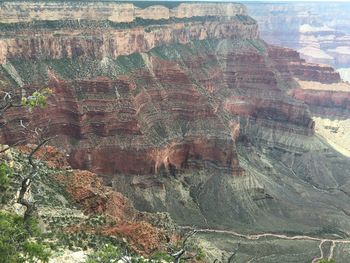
x,y
157,97
120,97
102,43
193,114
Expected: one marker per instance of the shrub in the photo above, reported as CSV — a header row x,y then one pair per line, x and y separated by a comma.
x,y
15,245
107,254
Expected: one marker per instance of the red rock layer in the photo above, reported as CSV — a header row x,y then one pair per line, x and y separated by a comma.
x,y
172,113
110,135
252,90
288,60
88,191
324,102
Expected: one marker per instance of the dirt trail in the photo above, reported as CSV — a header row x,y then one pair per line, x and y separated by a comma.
x,y
281,236
321,251
331,251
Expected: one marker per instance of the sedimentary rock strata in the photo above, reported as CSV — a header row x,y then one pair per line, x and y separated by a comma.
x,y
167,108
14,12
193,115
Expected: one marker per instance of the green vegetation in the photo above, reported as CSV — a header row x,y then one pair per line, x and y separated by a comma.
x,y
247,20
108,254
111,254
258,44
125,64
16,245
77,68
75,24
20,238
6,174
140,4
37,99
27,70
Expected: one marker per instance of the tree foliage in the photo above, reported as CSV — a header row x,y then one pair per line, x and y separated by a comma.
x,y
16,245
37,99
107,254
6,174
19,238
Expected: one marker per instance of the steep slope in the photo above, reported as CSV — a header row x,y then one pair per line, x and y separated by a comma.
x,y
193,115
77,213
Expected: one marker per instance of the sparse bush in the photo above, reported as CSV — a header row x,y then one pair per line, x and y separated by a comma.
x,y
107,254
6,174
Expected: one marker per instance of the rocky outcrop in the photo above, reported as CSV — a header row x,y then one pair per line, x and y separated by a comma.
x,y
159,98
128,112
328,101
323,98
86,189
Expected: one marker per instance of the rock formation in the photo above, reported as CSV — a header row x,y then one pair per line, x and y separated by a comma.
x,y
189,113
311,28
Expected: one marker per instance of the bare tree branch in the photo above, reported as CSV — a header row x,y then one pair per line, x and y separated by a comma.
x,y
13,98
179,254
26,183
30,156
30,206
231,258
9,147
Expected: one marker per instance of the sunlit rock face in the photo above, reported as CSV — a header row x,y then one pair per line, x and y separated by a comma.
x,y
192,114
344,74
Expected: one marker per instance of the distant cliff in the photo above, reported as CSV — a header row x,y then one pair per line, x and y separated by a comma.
x,y
318,30
14,12
100,42
108,29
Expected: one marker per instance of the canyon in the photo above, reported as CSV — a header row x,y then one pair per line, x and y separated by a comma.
x,y
310,28
188,112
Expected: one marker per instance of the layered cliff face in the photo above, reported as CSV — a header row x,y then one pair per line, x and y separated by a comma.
x,y
311,28
16,12
101,42
320,32
192,115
